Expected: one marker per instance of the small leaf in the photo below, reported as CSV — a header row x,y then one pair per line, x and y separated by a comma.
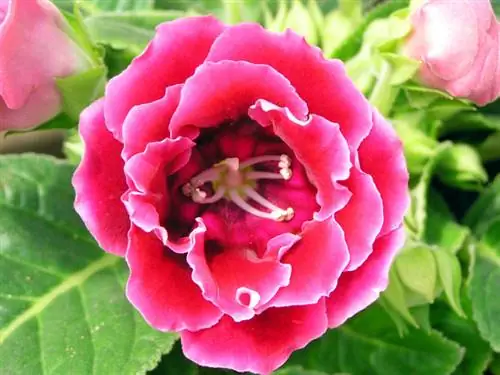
x,y
485,209
417,271
417,217
461,166
394,295
79,90
441,227
403,68
450,278
62,302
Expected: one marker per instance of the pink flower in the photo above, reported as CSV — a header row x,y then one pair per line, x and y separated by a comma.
x,y
255,194
459,45
34,50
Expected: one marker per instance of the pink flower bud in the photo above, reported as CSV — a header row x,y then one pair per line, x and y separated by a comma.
x,y
34,50
459,45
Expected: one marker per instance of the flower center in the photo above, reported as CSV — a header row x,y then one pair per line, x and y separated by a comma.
x,y
236,181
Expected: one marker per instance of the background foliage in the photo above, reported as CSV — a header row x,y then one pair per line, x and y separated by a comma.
x,y
62,303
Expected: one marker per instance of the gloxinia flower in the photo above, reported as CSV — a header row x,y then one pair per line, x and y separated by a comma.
x,y
34,50
256,195
459,45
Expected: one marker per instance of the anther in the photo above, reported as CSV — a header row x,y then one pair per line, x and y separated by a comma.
x,y
286,173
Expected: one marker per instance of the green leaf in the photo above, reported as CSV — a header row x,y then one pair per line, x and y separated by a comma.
x,y
141,19
485,209
418,147
450,278
484,286
62,303
441,228
79,90
351,45
403,68
119,35
471,122
299,19
417,270
394,296
478,353
416,219
489,149
369,344
297,370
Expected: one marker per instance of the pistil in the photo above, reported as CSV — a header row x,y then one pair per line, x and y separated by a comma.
x,y
235,181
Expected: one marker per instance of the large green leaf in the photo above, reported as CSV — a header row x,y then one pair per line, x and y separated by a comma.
x,y
369,344
485,285
62,303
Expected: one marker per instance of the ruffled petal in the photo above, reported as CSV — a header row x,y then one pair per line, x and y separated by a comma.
x,y
237,280
99,183
239,84
362,218
323,84
259,345
148,203
160,286
172,56
148,123
317,260
319,146
358,289
381,156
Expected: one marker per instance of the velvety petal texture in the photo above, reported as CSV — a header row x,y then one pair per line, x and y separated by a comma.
x,y
100,183
255,194
28,94
458,43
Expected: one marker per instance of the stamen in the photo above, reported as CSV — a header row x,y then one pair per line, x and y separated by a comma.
x,y
199,196
208,175
229,176
251,193
263,159
240,202
264,176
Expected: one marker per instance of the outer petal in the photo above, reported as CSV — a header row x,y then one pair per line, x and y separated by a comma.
x,y
381,156
99,183
148,123
239,85
34,24
317,261
362,218
160,286
259,345
320,147
173,55
43,104
322,83
360,288
237,280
